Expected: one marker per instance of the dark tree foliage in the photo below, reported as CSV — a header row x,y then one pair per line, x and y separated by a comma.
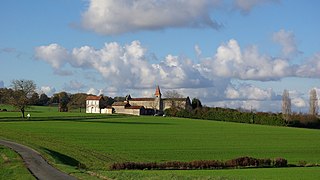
x,y
34,99
119,99
77,101
5,95
109,100
43,100
63,101
196,103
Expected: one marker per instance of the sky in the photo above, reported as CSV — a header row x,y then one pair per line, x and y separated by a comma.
x,y
227,53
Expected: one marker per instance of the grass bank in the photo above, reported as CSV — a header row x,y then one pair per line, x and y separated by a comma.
x,y
93,142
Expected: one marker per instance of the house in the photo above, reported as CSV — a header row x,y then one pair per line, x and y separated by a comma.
x,y
95,104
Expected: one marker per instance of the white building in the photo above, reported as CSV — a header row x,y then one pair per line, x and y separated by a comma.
x,y
93,104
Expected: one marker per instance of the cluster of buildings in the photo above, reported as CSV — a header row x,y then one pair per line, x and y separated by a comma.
x,y
137,106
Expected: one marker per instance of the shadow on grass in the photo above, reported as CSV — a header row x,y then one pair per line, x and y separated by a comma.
x,y
64,159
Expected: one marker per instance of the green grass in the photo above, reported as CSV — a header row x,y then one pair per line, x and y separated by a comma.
x,y
67,139
11,166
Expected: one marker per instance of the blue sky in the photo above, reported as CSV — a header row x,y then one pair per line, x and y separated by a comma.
x,y
230,53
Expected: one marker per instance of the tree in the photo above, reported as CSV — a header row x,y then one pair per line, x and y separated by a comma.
x,y
286,105
313,103
77,101
22,91
196,103
174,96
63,101
43,99
34,99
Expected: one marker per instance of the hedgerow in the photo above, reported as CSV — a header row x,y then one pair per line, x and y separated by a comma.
x,y
241,162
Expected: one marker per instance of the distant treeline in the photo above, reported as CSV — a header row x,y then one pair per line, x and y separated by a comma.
x,y
234,115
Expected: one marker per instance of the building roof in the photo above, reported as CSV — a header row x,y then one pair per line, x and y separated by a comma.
x,y
174,99
141,99
134,107
93,97
157,93
119,104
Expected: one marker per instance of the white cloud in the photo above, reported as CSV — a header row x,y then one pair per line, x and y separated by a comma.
x,y
93,91
232,62
311,68
74,86
249,92
298,102
197,50
54,54
126,69
115,17
1,84
49,91
287,41
247,5
126,66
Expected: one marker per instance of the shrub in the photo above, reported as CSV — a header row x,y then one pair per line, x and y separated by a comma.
x,y
280,162
200,164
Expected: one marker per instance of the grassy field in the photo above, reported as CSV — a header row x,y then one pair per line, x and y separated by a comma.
x,y
12,167
70,139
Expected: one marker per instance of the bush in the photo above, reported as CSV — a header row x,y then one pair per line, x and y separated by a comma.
x,y
200,164
280,162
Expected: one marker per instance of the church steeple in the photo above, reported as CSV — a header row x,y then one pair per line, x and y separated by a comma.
x,y
157,93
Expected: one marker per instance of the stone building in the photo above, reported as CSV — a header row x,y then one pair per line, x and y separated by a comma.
x,y
147,106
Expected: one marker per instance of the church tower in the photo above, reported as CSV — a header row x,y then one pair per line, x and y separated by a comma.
x,y
157,99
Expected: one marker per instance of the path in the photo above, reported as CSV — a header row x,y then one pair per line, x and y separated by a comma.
x,y
36,164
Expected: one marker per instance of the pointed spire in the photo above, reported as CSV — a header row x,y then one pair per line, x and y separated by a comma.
x,y
157,93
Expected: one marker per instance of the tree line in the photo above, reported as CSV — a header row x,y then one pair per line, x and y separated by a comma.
x,y
285,118
22,94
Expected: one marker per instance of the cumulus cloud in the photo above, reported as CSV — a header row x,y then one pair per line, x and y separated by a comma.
x,y
311,68
74,86
287,41
247,5
54,54
115,17
232,62
127,69
126,66
249,92
48,90
92,91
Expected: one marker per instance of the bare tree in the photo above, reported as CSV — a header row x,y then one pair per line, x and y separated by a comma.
x,y
313,102
23,90
172,94
286,105
174,97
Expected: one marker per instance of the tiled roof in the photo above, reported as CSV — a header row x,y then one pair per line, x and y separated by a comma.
x,y
174,99
93,97
134,107
157,93
141,99
119,104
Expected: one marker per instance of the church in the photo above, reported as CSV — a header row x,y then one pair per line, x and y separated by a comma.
x,y
149,106
145,106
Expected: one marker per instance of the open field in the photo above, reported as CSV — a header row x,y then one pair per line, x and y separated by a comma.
x,y
95,141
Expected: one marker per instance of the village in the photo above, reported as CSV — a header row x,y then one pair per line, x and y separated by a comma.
x,y
137,106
